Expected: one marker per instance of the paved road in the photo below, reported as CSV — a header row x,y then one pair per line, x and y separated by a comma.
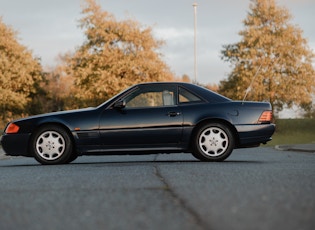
x,y
257,188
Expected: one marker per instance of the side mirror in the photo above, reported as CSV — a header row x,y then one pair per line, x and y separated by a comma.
x,y
120,104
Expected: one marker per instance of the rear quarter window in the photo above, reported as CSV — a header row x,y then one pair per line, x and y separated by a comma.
x,y
185,96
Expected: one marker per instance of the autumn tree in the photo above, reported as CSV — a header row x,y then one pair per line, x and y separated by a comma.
x,y
114,55
272,58
185,78
53,93
19,73
213,87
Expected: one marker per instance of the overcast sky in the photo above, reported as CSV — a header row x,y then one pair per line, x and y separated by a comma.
x,y
50,27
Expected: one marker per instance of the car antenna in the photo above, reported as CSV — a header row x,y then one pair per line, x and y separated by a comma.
x,y
250,85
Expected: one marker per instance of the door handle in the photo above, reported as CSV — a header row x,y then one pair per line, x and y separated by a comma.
x,y
173,114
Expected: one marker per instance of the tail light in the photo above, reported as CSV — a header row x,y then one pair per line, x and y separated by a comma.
x,y
265,117
12,128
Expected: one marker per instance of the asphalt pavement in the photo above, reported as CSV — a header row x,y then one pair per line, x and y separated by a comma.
x,y
258,188
2,154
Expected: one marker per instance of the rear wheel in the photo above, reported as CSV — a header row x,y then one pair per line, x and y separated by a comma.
x,y
213,142
52,145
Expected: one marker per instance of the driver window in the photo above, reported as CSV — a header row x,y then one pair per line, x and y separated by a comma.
x,y
157,97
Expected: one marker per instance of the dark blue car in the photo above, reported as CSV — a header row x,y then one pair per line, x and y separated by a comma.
x,y
146,118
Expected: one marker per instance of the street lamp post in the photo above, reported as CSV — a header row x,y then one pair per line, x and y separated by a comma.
x,y
195,41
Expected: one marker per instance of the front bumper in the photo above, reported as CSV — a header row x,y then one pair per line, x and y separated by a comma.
x,y
16,144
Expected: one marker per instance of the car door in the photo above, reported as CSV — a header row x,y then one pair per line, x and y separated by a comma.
x,y
149,118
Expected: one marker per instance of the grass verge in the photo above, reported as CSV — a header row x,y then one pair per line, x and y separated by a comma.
x,y
293,131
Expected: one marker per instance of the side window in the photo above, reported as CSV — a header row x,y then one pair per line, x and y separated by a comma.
x,y
187,97
157,96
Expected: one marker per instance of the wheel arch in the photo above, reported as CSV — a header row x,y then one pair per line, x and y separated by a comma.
x,y
215,120
53,124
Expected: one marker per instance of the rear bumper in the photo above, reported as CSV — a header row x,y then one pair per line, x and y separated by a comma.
x,y
15,144
256,134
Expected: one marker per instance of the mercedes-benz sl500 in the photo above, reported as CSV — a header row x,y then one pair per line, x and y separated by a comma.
x,y
145,118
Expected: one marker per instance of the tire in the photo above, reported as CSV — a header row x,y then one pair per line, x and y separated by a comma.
x,y
213,142
73,157
52,145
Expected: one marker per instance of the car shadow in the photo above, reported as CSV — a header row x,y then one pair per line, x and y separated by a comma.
x,y
136,163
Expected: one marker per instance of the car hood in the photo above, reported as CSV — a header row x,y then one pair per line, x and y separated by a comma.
x,y
56,114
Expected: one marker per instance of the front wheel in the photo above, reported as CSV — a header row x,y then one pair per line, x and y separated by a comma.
x,y
213,142
51,145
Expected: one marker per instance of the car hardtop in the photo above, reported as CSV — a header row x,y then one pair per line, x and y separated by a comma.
x,y
198,90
